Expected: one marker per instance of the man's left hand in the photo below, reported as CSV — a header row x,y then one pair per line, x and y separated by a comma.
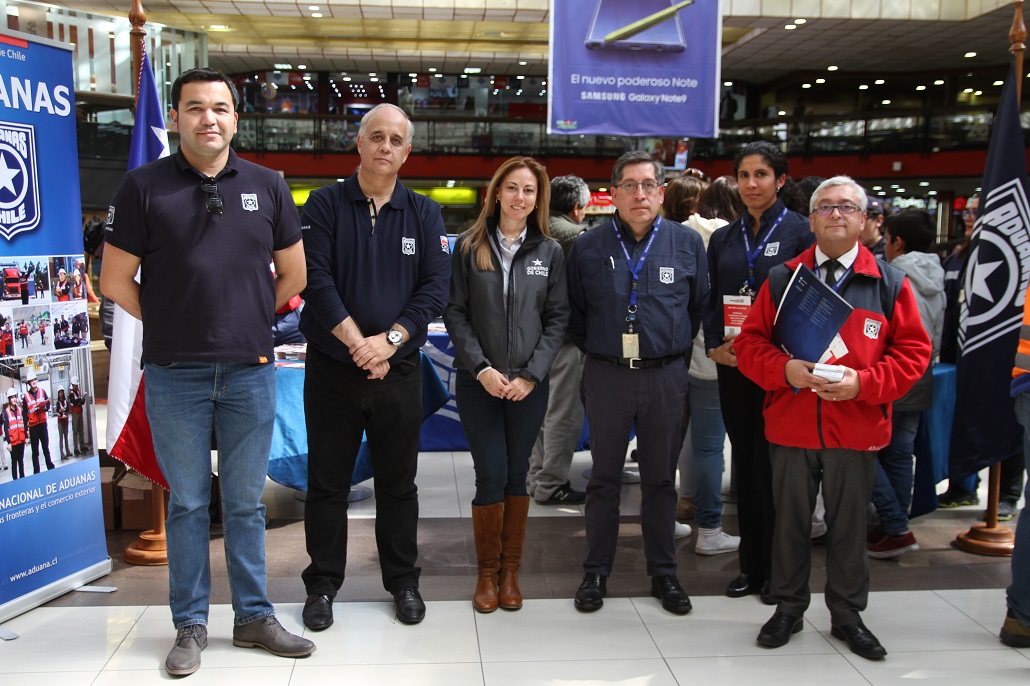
x,y
379,371
371,351
845,389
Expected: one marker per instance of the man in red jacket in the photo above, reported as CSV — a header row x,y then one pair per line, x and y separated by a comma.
x,y
37,407
829,432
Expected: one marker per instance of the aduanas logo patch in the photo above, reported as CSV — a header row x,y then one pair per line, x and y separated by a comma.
x,y
872,328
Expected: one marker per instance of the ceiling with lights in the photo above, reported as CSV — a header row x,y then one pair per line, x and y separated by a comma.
x,y
507,37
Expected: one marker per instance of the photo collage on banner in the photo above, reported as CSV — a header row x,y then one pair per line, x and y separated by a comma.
x,y
51,511
44,327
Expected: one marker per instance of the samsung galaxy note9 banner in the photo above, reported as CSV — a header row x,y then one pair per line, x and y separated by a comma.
x,y
635,67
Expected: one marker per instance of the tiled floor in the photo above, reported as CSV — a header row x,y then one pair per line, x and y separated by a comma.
x,y
937,611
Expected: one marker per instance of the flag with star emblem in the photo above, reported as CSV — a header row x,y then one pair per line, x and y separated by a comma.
x,y
128,431
985,428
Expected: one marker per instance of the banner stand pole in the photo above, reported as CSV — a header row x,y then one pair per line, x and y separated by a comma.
x,y
989,538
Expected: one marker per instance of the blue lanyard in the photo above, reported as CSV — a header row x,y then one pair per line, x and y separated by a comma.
x,y
752,255
634,270
836,286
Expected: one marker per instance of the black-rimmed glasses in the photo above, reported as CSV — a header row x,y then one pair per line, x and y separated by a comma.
x,y
214,201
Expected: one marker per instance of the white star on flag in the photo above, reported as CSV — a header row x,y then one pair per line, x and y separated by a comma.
x,y
162,137
980,274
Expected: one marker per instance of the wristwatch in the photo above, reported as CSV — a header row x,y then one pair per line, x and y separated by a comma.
x,y
395,338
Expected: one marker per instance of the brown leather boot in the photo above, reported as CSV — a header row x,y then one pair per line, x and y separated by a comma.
x,y
486,528
513,535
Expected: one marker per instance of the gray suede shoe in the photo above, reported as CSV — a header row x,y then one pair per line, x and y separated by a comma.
x,y
185,656
269,634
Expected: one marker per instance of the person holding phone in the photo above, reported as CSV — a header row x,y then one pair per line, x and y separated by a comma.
x,y
507,316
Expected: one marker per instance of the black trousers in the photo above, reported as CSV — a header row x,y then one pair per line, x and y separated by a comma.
x,y
340,402
18,461
39,435
742,402
616,399
500,434
1012,477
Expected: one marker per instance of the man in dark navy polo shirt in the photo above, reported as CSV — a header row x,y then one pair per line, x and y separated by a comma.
x,y
637,289
202,226
378,273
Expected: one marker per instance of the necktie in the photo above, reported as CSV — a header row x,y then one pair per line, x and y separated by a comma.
x,y
829,272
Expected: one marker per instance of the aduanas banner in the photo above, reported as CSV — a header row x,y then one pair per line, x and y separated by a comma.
x,y
51,511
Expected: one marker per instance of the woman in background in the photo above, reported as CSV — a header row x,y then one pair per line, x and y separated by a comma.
x,y
740,256
61,409
702,460
15,432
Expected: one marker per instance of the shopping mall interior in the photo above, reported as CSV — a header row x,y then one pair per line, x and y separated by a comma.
x,y
899,94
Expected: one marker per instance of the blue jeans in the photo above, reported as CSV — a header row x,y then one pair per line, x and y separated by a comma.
x,y
707,435
185,402
500,434
892,487
1019,591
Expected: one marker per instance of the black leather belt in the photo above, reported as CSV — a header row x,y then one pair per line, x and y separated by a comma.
x,y
638,362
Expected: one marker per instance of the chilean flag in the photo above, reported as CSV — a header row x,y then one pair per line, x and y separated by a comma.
x,y
128,432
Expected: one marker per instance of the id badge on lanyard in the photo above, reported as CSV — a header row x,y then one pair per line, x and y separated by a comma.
x,y
631,339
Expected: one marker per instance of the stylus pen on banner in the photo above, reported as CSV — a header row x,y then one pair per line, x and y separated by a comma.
x,y
636,27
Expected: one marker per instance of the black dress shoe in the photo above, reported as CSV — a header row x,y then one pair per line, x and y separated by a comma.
x,y
410,607
765,595
860,640
591,593
777,631
318,612
741,586
674,599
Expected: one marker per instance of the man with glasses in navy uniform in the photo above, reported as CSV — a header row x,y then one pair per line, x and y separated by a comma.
x,y
638,286
829,432
203,226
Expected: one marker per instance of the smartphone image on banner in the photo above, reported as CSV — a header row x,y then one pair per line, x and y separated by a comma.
x,y
611,16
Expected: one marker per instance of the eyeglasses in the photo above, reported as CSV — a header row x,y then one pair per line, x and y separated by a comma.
x,y
826,209
968,213
631,186
214,201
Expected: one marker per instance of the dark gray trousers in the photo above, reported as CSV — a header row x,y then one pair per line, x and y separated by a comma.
x,y
847,481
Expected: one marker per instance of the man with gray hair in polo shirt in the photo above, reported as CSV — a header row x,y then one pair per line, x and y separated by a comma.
x,y
379,270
